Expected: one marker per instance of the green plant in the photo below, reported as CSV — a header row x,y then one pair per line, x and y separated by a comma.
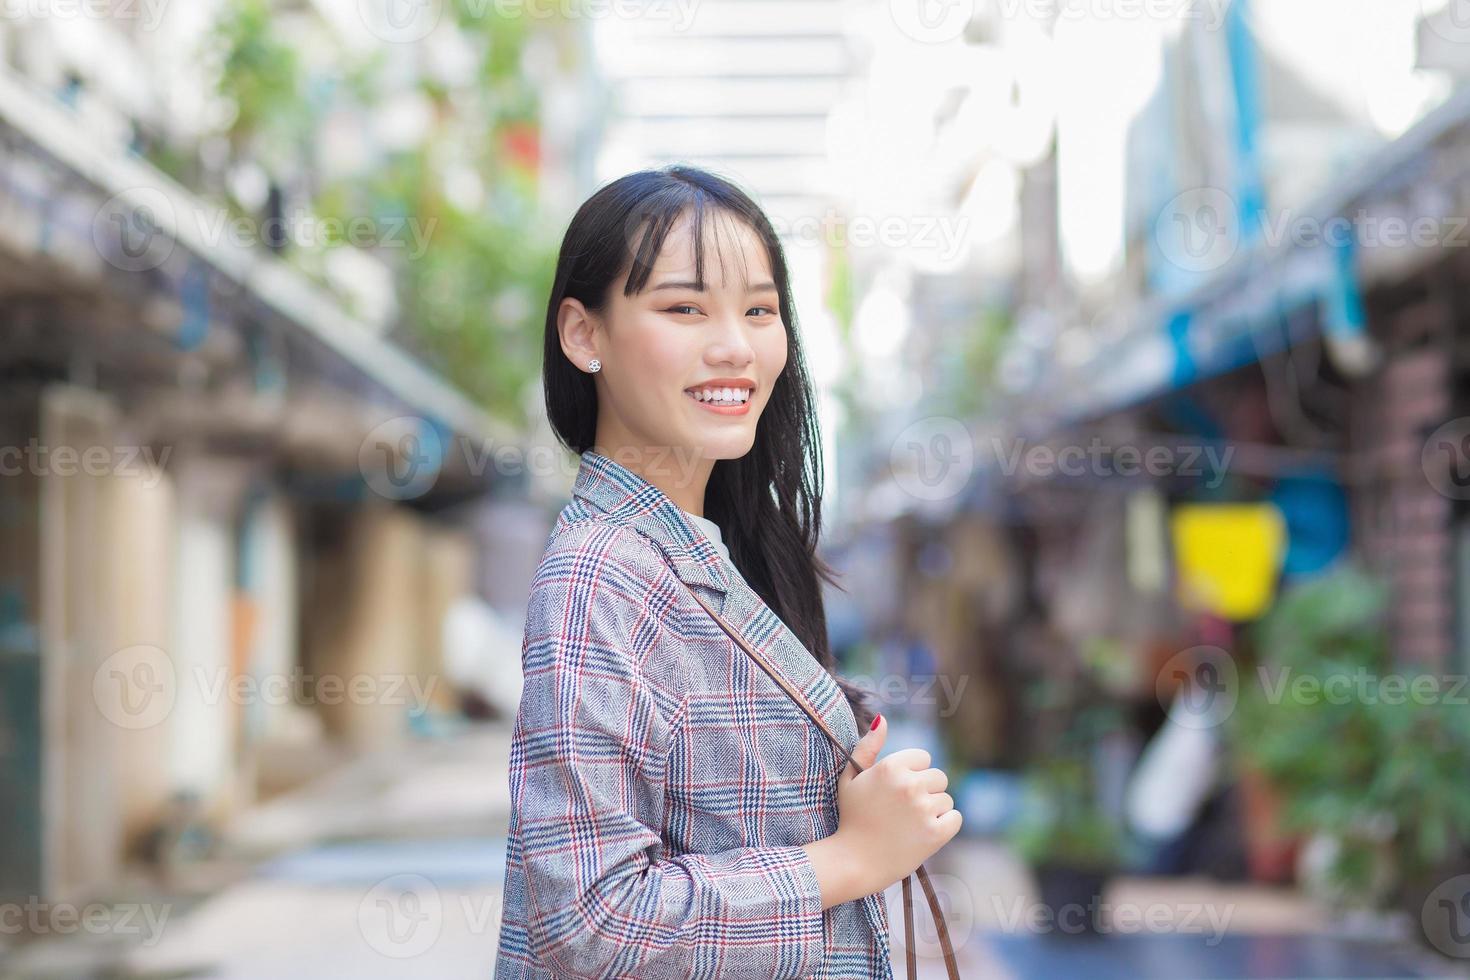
x,y
261,77
456,215
1061,823
1358,751
471,298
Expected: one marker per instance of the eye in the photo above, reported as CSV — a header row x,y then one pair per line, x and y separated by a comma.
x,y
682,307
769,311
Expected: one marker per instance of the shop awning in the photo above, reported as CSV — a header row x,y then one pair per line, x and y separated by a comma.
x,y
59,183
1274,295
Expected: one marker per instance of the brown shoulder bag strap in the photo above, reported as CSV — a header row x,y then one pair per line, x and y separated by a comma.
x,y
940,926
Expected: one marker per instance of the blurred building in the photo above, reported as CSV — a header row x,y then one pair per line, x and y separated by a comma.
x,y
1280,343
1287,306
1281,335
1233,122
742,89
236,514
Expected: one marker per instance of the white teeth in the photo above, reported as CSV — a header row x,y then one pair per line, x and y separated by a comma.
x,y
726,396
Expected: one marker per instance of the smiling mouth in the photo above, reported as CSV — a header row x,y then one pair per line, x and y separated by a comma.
x,y
724,397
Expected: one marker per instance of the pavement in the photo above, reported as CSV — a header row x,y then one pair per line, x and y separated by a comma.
x,y
391,866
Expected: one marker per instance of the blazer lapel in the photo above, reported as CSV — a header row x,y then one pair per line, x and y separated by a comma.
x,y
618,491
612,488
764,630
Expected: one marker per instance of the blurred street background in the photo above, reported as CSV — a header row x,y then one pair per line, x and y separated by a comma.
x,y
1143,347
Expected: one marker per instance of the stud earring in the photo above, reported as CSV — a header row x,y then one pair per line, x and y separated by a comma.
x,y
594,365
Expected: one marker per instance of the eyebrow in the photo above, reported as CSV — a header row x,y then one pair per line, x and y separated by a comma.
x,y
763,287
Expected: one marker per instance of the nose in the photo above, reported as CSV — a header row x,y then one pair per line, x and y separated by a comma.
x,y
729,343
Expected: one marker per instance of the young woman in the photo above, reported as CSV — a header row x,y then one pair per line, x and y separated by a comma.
x,y
674,813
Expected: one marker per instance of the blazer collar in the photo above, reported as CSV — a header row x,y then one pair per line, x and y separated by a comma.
x,y
628,498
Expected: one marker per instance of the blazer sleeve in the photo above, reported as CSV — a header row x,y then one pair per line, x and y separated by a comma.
x,y
588,791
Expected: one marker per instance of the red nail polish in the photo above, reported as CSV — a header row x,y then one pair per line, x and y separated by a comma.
x,y
876,719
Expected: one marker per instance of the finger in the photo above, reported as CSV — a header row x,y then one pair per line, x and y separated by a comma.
x,y
934,780
908,759
941,803
865,752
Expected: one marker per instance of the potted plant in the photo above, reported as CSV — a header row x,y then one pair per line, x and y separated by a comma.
x,y
1368,759
1071,845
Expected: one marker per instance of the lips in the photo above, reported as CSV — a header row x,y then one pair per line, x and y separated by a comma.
x,y
722,392
724,396
720,396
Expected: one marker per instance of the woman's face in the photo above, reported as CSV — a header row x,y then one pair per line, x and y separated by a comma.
x,y
689,370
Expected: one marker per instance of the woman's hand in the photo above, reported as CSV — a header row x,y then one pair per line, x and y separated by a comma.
x,y
891,817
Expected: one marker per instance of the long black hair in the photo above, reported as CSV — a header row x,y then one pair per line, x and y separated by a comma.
x,y
768,502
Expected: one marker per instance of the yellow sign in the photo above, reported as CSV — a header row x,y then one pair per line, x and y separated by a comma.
x,y
1228,557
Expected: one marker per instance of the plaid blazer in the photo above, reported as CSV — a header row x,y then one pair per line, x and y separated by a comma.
x,y
661,785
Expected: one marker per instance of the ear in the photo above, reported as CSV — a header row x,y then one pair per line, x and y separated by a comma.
x,y
577,328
